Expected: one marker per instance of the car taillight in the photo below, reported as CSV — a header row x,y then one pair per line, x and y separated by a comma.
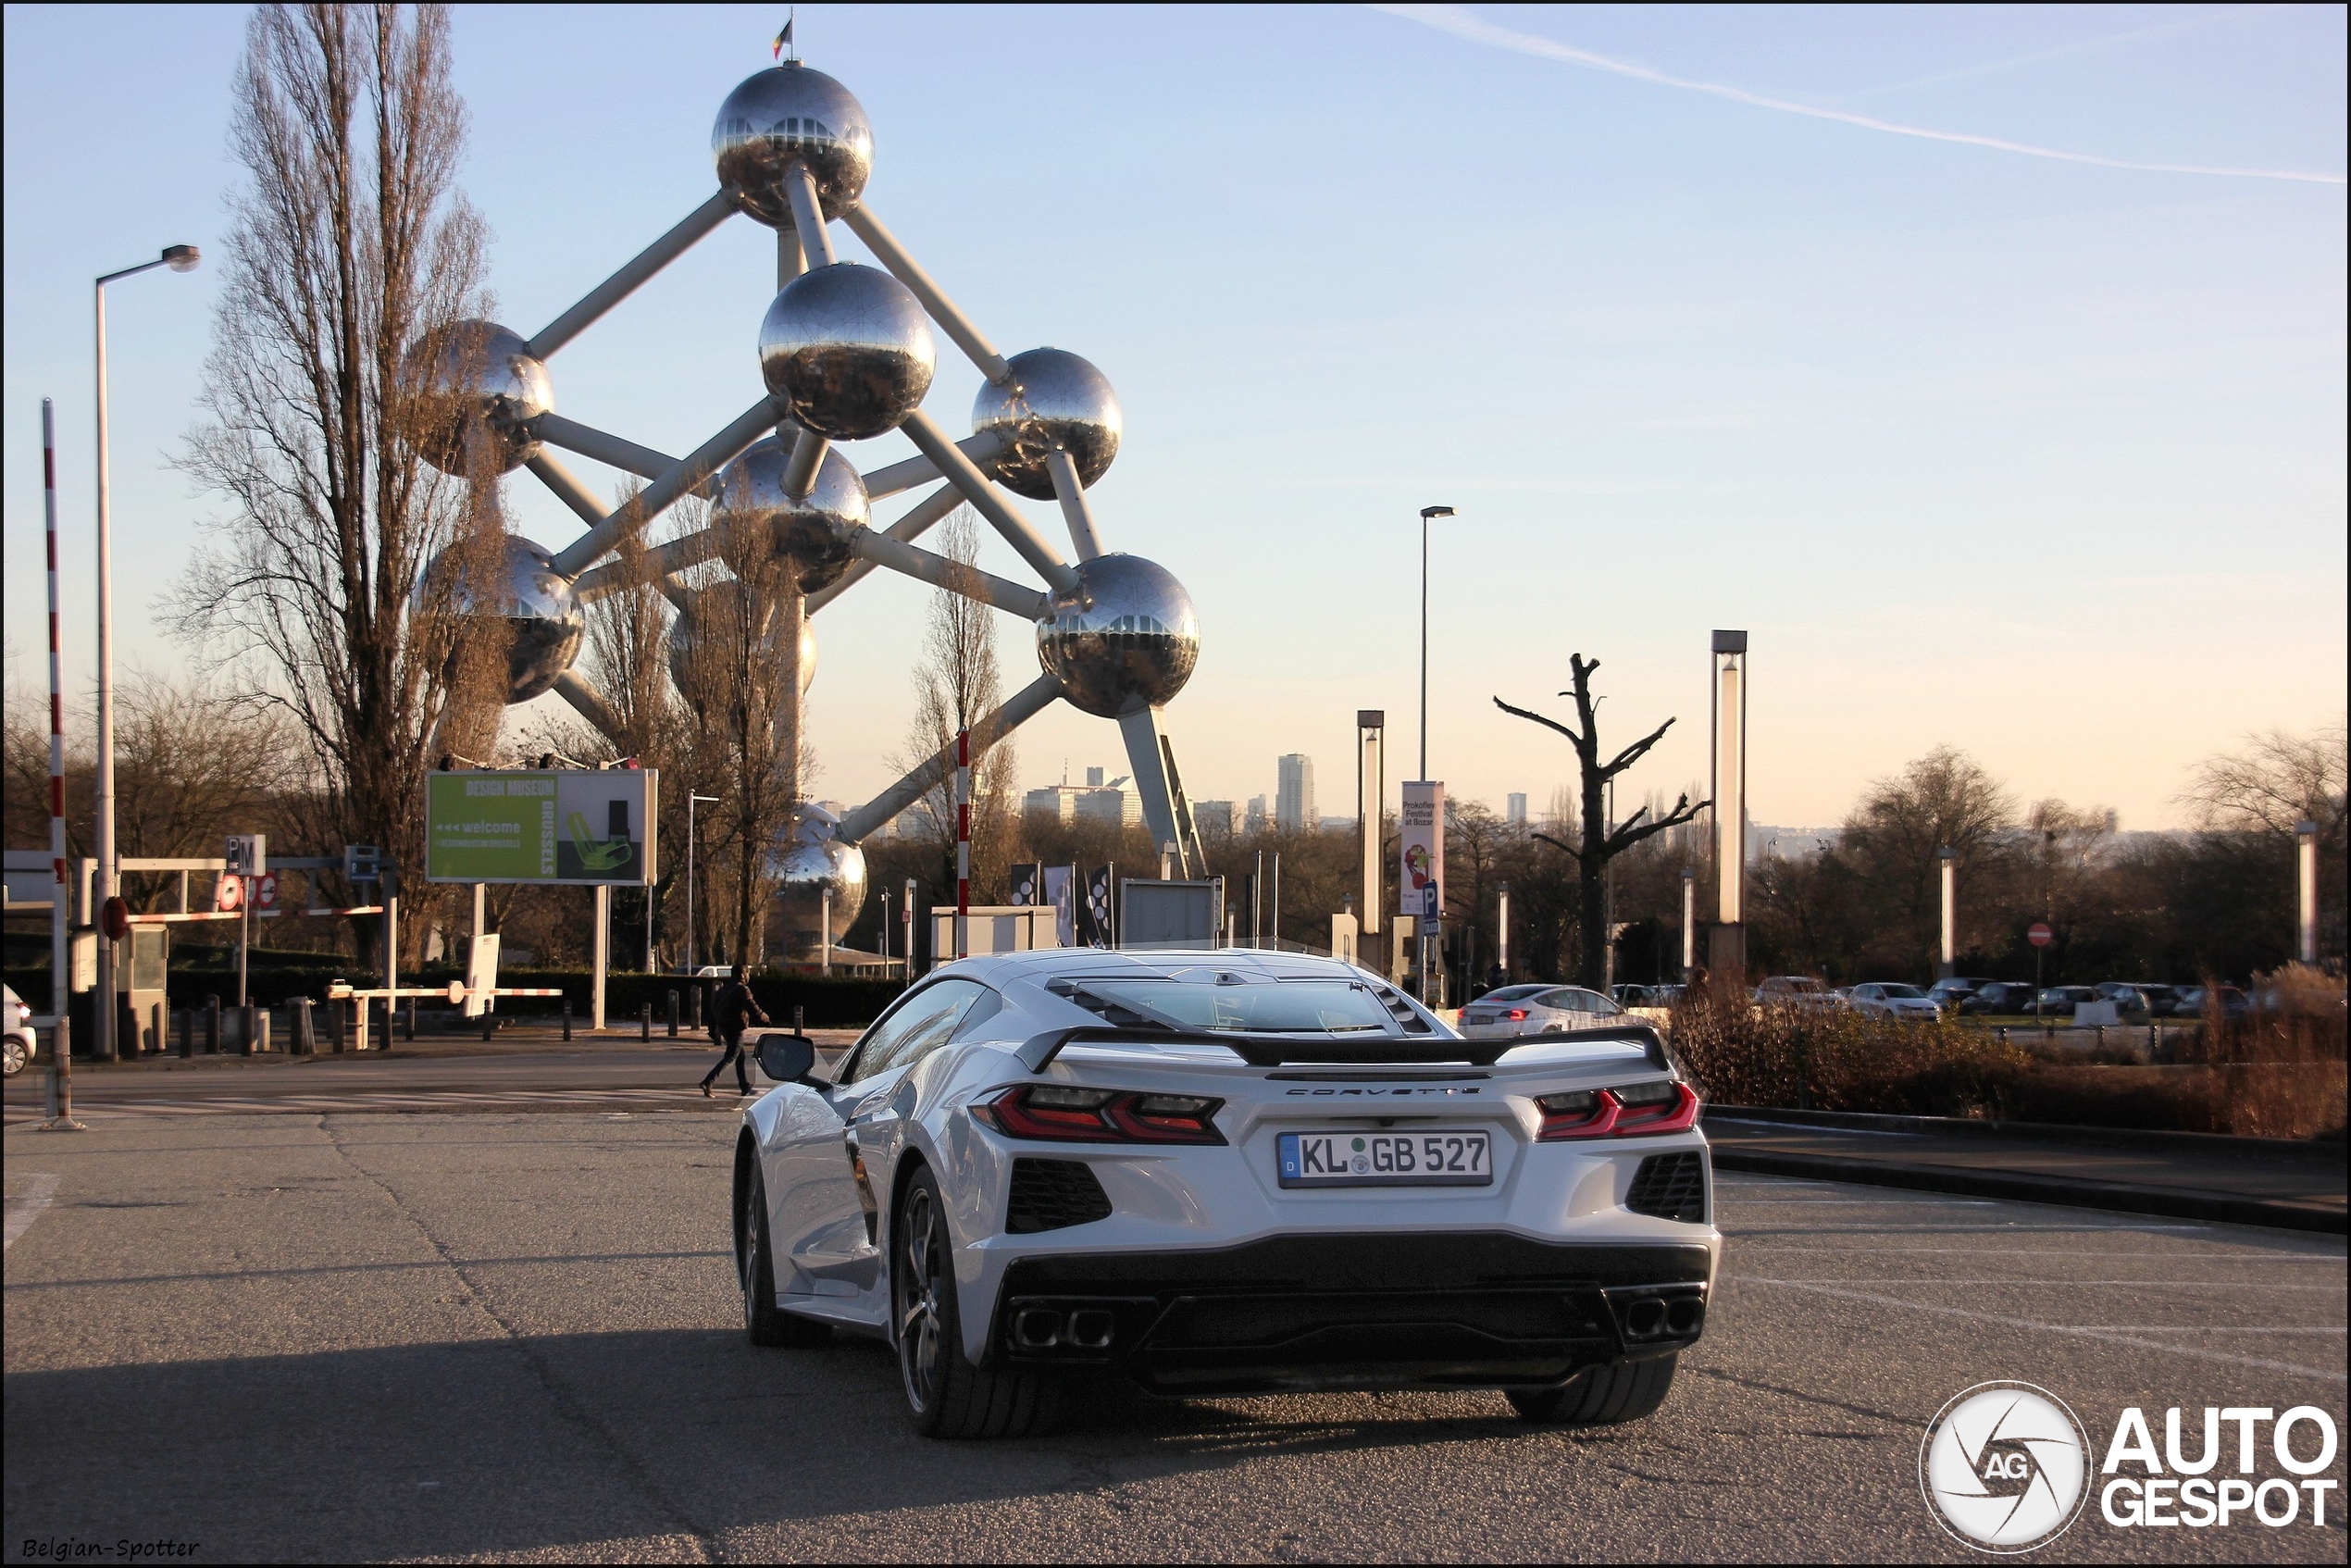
x,y
1635,1112
1063,1114
1516,1015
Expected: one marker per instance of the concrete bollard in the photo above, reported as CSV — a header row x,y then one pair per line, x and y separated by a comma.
x,y
694,1008
645,1020
248,1032
798,1014
412,1021
305,1039
673,1013
212,1025
489,1024
567,1020
156,1030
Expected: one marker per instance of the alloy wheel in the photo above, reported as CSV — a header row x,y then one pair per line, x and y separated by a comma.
x,y
917,1286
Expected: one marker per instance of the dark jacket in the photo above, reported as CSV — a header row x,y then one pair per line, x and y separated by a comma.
x,y
733,1009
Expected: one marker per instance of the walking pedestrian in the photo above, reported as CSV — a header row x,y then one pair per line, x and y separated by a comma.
x,y
731,1011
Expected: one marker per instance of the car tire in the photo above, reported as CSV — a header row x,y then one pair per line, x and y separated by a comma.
x,y
764,1322
16,1056
1602,1396
946,1395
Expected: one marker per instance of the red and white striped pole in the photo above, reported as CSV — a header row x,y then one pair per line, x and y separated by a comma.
x,y
963,841
61,1049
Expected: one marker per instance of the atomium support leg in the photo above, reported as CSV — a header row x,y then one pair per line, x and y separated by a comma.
x,y
907,271
621,284
568,490
906,529
789,263
952,575
984,447
807,216
933,443
1075,512
1165,812
589,702
691,471
1016,711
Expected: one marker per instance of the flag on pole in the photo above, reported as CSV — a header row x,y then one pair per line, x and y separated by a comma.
x,y
783,38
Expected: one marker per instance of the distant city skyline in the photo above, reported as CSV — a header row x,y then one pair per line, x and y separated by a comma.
x,y
2043,460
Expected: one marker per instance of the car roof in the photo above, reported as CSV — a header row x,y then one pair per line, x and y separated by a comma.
x,y
1045,964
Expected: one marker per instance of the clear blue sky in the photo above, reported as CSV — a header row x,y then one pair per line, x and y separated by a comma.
x,y
2041,460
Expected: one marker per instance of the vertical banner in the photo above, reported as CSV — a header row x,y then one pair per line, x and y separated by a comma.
x,y
1421,832
1026,883
1061,892
1094,917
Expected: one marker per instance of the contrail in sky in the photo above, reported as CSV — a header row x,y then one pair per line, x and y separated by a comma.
x,y
1462,23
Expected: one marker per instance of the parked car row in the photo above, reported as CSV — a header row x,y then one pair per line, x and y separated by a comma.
x,y
1974,997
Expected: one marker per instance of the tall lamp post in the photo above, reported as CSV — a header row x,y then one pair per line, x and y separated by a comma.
x,y
691,799
180,259
1427,515
1950,915
2306,884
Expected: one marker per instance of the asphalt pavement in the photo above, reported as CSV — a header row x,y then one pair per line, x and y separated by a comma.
x,y
499,1335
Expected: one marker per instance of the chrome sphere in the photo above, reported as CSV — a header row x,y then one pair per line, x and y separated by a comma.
x,y
850,349
818,530
1125,637
471,388
1056,399
718,601
804,870
787,115
543,620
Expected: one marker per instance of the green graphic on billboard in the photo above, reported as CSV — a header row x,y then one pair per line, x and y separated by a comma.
x,y
553,826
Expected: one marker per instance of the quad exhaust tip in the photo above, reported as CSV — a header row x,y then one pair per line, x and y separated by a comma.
x,y
1657,1317
1043,1328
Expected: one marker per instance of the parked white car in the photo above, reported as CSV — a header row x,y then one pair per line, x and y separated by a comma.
x,y
1223,1173
21,1044
1537,1010
1890,999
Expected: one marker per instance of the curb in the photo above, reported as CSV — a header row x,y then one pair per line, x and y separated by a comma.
x,y
2122,1197
2324,1151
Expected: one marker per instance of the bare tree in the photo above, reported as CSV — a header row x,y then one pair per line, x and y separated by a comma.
x,y
2277,780
1892,839
958,683
350,243
1596,845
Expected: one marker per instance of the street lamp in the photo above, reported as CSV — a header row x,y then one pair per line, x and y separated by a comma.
x,y
1947,858
691,799
1428,513
180,259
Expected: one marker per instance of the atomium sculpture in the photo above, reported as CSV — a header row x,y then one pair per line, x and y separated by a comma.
x,y
845,353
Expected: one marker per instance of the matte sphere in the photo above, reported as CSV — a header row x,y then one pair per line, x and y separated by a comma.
x,y
1126,638
532,606
786,115
804,872
472,387
1056,399
850,349
818,530
720,602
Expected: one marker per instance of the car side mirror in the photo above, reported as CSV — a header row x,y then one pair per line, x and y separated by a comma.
x,y
788,1059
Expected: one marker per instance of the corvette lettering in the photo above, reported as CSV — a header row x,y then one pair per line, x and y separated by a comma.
x,y
1368,1092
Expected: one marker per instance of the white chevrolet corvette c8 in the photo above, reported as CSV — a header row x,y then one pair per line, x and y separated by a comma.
x,y
1225,1172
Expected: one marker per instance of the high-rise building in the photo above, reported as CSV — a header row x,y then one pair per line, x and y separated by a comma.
x,y
1514,809
1255,820
1294,795
1214,819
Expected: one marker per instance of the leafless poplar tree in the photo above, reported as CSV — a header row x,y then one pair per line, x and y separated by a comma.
x,y
957,684
350,243
1596,845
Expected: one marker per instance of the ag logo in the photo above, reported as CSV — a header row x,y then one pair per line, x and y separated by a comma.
x,y
2004,1467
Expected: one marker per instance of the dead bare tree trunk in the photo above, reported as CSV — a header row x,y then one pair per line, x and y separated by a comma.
x,y
959,683
351,241
1596,845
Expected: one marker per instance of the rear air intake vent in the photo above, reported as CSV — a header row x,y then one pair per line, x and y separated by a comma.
x,y
1670,1187
1051,1194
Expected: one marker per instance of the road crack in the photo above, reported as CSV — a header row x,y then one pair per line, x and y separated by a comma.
x,y
579,1417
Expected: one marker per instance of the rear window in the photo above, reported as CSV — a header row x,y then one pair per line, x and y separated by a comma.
x,y
1513,993
1900,990
1333,1007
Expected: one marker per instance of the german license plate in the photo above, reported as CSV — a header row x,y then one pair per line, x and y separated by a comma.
x,y
1386,1159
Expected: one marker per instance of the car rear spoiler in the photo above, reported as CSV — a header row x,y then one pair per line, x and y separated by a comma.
x,y
1295,1051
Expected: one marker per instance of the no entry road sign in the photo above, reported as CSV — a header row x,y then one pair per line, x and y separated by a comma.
x,y
2039,934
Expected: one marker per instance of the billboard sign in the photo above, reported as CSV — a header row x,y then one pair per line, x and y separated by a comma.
x,y
1420,880
556,827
